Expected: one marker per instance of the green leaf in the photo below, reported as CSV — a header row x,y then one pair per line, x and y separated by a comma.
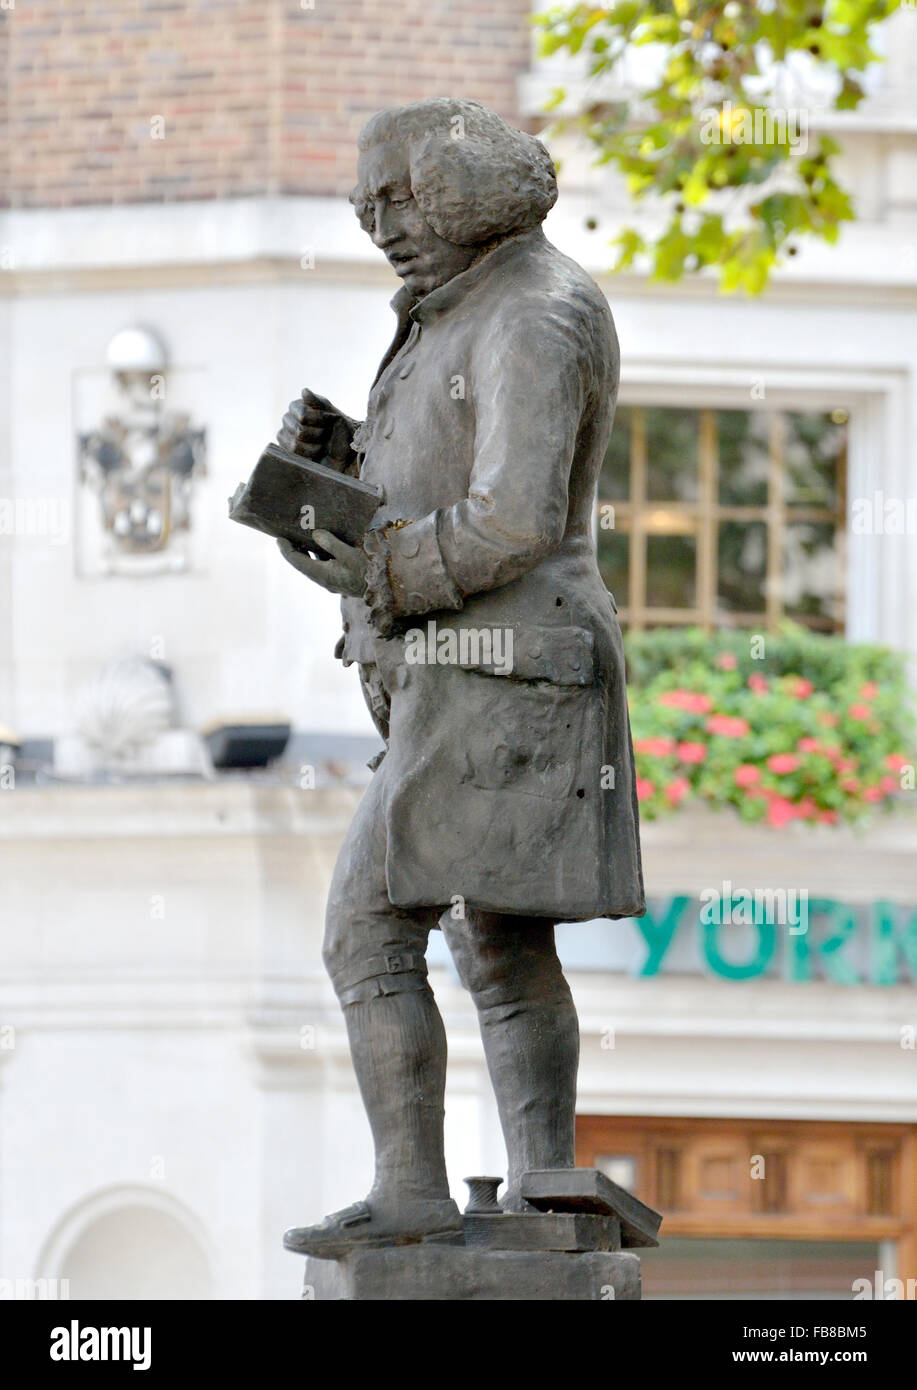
x,y
665,145
850,95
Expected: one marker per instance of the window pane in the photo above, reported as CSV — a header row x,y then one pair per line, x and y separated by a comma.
x,y
741,566
744,454
815,451
671,569
671,454
614,563
614,479
698,1267
811,578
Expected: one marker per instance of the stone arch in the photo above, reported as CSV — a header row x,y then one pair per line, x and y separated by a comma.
x,y
130,1241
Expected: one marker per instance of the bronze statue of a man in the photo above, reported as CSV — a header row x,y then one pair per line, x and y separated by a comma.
x,y
505,800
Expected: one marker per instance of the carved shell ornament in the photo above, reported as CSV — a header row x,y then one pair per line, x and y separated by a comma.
x,y
125,709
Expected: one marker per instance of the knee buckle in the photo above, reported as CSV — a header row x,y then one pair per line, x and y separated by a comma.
x,y
391,972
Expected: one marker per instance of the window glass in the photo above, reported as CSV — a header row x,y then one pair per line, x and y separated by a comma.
x,y
744,457
741,566
812,572
758,493
671,454
671,569
614,480
813,452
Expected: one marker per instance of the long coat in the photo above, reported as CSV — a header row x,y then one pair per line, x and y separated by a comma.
x,y
508,786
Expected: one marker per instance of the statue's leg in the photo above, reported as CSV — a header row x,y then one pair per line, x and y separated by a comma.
x,y
530,1034
375,955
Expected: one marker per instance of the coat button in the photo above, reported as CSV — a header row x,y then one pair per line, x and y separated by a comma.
x,y
388,429
407,369
408,545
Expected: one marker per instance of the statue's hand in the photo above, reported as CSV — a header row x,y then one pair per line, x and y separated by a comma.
x,y
344,573
317,430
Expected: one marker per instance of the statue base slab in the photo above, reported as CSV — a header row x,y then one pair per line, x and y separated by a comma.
x,y
454,1272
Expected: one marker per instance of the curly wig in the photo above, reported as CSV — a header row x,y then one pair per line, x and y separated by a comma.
x,y
475,177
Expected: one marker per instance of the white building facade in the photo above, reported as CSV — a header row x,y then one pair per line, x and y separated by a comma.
x,y
175,1086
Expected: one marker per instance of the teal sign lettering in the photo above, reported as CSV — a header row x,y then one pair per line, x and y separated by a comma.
x,y
891,934
848,944
729,970
842,921
658,934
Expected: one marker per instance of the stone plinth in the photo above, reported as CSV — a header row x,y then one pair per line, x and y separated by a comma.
x,y
569,1248
459,1273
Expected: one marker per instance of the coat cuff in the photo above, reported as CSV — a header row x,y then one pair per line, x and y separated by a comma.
x,y
405,573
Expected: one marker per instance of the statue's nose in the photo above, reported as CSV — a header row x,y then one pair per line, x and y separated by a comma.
x,y
385,231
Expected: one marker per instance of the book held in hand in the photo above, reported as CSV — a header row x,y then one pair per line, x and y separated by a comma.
x,y
290,497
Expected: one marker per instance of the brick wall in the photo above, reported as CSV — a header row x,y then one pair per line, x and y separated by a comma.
x,y
139,100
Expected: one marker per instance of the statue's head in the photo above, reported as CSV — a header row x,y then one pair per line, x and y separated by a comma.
x,y
441,181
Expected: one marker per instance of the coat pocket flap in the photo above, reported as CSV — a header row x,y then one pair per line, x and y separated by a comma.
x,y
561,655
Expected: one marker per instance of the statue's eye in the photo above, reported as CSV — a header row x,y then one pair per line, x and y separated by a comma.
x,y
400,202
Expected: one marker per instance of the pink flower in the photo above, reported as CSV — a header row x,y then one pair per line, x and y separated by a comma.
x,y
645,788
758,683
809,745
851,785
692,752
726,661
780,811
655,747
691,700
727,725
828,817
873,793
888,784
896,761
747,775
783,762
806,809
859,712
802,689
828,720
677,790
869,691
846,764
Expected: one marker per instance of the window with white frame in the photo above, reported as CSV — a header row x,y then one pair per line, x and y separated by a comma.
x,y
725,518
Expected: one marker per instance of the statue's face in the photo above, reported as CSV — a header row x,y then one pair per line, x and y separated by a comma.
x,y
416,253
